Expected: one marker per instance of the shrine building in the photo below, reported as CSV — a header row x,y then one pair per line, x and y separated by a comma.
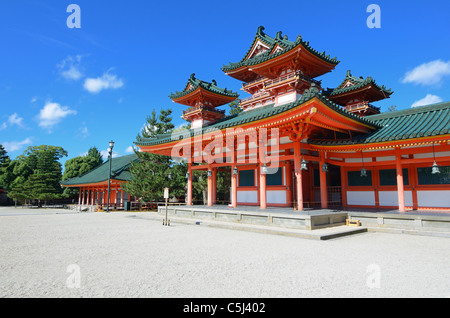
x,y
296,144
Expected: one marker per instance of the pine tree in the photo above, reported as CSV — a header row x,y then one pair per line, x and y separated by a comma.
x,y
151,174
38,173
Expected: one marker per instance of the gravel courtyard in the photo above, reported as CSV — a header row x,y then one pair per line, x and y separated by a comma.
x,y
54,253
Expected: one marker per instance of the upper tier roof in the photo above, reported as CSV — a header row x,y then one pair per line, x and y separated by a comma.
x,y
194,86
352,84
271,48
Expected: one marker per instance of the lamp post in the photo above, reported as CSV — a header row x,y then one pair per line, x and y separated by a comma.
x,y
111,146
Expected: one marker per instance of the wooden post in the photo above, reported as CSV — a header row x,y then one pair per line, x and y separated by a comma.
x,y
210,188
298,174
214,185
323,183
233,188
263,188
400,186
189,185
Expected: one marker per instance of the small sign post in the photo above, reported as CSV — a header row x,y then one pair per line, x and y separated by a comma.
x,y
166,197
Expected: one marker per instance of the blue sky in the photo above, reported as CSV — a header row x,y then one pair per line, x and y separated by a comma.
x,y
81,87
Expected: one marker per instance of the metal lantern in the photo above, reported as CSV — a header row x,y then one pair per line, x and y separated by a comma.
x,y
235,171
209,173
363,172
264,169
325,167
303,165
187,175
435,168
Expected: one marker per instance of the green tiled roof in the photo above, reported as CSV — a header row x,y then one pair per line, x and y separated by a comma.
x,y
254,115
358,83
272,42
423,121
196,83
119,171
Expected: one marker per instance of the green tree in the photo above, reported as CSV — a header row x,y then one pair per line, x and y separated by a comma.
x,y
78,166
4,163
150,175
37,174
234,107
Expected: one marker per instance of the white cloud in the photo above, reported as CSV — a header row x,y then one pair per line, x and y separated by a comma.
x,y
427,100
11,146
129,149
106,81
83,130
428,74
52,114
105,154
69,68
14,119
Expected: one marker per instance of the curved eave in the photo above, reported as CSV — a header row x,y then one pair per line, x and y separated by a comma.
x,y
329,116
240,70
191,96
92,184
353,146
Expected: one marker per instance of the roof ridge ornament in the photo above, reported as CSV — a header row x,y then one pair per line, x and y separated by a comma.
x,y
260,30
278,35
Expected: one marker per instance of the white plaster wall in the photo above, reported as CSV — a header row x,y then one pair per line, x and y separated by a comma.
x,y
390,198
247,196
434,198
276,196
361,198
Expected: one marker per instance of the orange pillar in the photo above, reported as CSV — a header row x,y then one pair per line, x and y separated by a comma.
x,y
210,188
323,184
400,186
263,188
233,188
298,173
189,185
214,186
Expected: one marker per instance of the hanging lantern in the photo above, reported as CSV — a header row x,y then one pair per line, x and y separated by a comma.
x,y
235,171
325,167
363,172
435,168
209,173
304,165
187,175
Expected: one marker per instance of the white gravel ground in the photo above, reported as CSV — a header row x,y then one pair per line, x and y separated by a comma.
x,y
42,254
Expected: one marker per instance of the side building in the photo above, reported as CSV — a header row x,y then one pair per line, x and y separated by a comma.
x,y
93,185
